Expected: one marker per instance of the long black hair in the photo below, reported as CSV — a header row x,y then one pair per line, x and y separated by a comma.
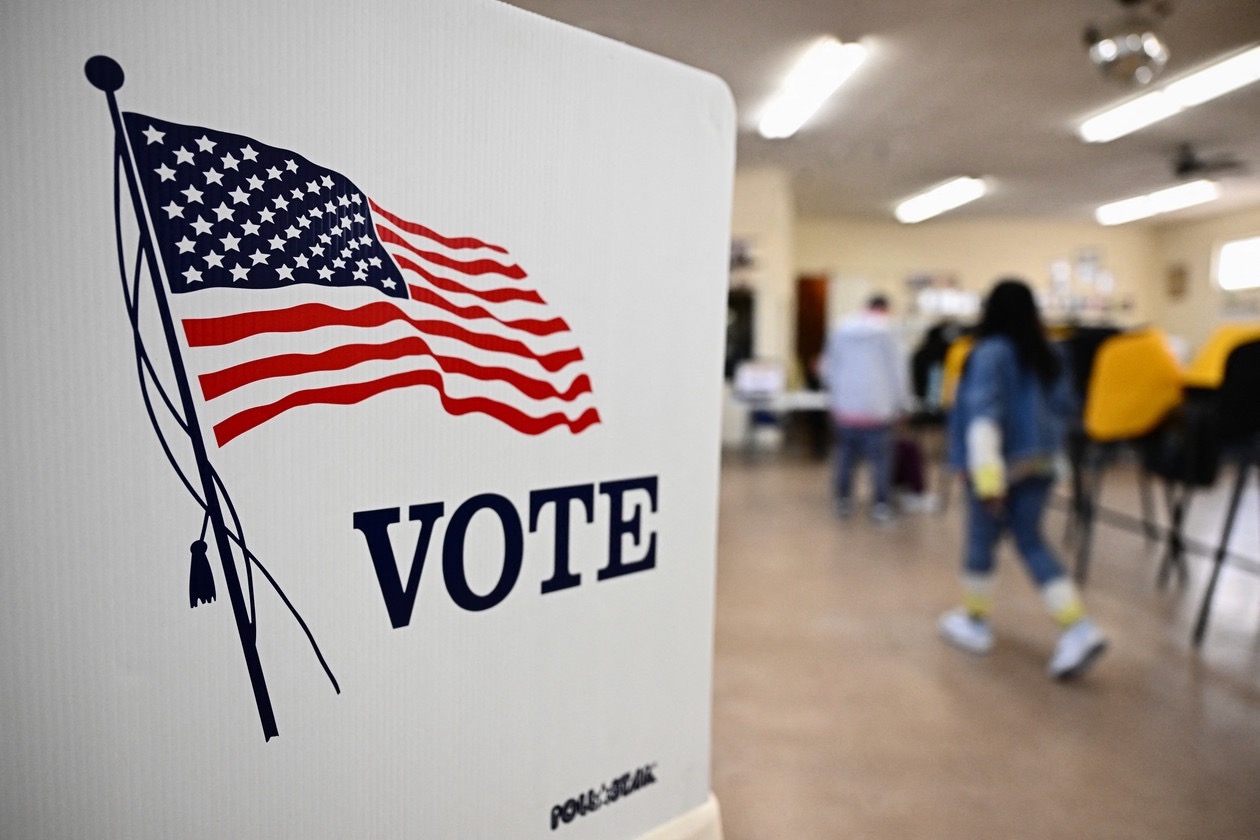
x,y
1011,310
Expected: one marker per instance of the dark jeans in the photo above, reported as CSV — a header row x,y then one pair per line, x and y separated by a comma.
x,y
873,444
1025,501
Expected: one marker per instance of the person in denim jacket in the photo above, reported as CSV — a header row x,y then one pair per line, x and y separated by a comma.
x,y
1006,432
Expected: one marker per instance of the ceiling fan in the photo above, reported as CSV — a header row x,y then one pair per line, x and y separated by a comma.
x,y
1189,163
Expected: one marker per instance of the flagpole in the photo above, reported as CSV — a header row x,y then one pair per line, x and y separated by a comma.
x,y
106,75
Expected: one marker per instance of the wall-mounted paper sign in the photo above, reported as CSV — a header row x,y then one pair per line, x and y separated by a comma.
x,y
361,404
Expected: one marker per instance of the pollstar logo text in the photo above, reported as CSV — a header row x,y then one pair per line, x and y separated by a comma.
x,y
607,793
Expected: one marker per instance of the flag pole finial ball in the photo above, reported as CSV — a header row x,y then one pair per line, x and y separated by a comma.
x,y
104,73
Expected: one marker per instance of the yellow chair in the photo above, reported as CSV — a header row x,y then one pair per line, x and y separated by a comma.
x,y
955,358
1133,384
1207,369
951,372
1236,412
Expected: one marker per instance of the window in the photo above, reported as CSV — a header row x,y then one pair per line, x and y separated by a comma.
x,y
1238,264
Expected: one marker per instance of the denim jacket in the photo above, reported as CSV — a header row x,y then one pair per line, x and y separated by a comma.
x,y
1032,417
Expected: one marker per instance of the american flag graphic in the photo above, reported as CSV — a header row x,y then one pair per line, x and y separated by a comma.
x,y
292,288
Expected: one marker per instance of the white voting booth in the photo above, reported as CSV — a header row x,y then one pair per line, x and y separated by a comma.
x,y
361,409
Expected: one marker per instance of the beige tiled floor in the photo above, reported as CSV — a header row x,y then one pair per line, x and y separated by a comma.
x,y
839,714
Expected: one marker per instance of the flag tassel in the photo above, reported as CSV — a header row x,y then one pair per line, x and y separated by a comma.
x,y
200,577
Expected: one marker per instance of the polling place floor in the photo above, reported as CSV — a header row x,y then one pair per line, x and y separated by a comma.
x,y
838,713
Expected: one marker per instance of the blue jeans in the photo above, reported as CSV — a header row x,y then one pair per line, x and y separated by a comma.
x,y
1025,501
874,444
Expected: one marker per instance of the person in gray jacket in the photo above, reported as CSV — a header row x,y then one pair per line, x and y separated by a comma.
x,y
867,378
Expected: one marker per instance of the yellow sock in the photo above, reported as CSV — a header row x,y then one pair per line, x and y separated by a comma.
x,y
1063,600
978,595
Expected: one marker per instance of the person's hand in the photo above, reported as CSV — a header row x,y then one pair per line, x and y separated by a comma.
x,y
988,482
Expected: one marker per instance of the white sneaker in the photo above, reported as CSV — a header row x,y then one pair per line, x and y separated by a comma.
x,y
882,513
973,635
1078,647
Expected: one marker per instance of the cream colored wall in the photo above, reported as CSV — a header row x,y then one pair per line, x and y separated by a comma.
x,y
764,215
1203,305
881,255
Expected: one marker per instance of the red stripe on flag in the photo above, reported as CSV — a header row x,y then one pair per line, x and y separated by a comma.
x,y
420,230
243,421
210,332
448,285
474,267
533,326
220,382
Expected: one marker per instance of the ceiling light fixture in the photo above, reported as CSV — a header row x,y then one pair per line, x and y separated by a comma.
x,y
1209,82
1130,49
933,202
1161,201
821,70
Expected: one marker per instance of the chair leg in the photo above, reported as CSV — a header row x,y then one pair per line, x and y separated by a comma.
x,y
945,478
1222,549
1178,501
1090,489
1076,458
1150,528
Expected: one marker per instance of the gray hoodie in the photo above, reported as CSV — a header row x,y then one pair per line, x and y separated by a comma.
x,y
866,372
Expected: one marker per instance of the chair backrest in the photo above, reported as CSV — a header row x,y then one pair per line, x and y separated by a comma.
x,y
1207,368
929,356
1238,397
1134,383
955,358
1082,345
1186,447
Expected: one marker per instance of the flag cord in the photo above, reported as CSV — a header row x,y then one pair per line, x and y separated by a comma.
x,y
147,374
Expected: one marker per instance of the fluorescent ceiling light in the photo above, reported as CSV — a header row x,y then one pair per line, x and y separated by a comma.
x,y
1161,201
1208,82
1217,79
937,200
815,77
1128,117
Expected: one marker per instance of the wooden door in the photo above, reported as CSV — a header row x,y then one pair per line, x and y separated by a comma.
x,y
811,323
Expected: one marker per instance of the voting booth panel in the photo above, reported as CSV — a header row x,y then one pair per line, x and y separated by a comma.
x,y
361,398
